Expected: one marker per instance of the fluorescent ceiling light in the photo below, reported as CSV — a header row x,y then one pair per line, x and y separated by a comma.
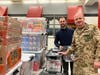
x,y
30,2
5,2
58,1
72,1
43,1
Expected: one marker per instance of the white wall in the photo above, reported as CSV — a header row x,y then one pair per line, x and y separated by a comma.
x,y
91,20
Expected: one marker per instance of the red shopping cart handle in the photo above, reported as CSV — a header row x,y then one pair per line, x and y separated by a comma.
x,y
96,64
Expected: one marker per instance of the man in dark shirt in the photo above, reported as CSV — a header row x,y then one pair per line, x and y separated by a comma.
x,y
64,38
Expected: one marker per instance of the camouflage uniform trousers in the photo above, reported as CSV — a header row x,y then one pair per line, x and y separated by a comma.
x,y
78,69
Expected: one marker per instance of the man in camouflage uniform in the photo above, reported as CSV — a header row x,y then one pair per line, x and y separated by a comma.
x,y
86,47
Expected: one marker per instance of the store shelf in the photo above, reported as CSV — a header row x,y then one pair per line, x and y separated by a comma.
x,y
25,57
31,52
14,68
33,32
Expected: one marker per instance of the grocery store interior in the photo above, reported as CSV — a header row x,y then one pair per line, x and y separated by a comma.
x,y
28,29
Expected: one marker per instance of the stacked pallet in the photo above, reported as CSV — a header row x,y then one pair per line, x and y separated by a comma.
x,y
10,42
33,34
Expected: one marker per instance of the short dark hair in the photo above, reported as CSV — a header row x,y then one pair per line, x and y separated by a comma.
x,y
61,17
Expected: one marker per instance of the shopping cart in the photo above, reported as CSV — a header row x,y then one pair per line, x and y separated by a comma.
x,y
67,58
53,63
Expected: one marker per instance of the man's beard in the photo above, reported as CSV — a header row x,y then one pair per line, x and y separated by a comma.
x,y
63,27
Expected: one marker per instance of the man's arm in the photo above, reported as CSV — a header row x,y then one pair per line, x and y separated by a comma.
x,y
56,40
96,39
70,49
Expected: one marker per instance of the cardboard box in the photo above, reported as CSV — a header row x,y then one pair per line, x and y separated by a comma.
x,y
10,42
9,58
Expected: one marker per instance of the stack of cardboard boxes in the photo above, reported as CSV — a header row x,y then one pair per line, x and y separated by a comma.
x,y
10,42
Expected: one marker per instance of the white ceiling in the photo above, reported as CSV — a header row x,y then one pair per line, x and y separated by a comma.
x,y
41,1
85,2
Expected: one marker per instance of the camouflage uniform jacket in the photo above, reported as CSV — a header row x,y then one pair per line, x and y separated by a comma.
x,y
86,47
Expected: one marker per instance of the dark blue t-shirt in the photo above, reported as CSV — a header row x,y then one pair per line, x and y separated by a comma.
x,y
63,37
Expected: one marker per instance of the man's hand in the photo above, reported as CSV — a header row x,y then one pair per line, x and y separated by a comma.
x,y
61,48
96,64
75,59
62,53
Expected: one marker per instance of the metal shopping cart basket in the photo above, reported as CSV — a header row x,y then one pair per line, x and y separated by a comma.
x,y
53,62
